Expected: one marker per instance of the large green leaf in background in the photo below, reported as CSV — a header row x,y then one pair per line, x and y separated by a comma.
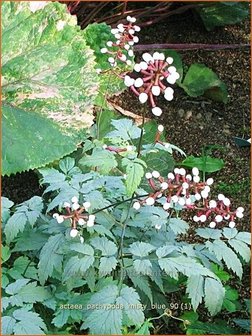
x,y
201,80
49,85
220,13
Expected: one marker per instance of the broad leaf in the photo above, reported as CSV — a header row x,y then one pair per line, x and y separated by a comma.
x,y
48,73
206,164
200,80
223,13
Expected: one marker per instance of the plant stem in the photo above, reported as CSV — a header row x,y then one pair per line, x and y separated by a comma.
x,y
141,135
120,202
190,46
120,251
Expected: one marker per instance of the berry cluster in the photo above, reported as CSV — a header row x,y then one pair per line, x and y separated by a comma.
x,y
125,39
75,212
155,72
185,191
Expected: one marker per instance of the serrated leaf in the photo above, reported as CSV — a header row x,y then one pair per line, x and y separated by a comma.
x,y
134,172
223,252
107,264
30,241
209,233
245,237
50,258
44,85
130,301
200,80
67,164
32,293
141,282
15,224
178,225
61,317
76,265
15,287
112,305
141,249
163,251
142,266
107,247
159,160
82,248
30,323
195,289
184,265
110,320
241,248
214,295
101,159
5,253
6,204
229,233
8,324
125,130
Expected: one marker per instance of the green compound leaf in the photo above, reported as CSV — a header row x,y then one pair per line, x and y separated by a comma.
x,y
141,249
107,264
107,247
29,323
27,212
101,159
50,258
223,13
48,73
108,306
223,252
200,80
76,265
23,292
